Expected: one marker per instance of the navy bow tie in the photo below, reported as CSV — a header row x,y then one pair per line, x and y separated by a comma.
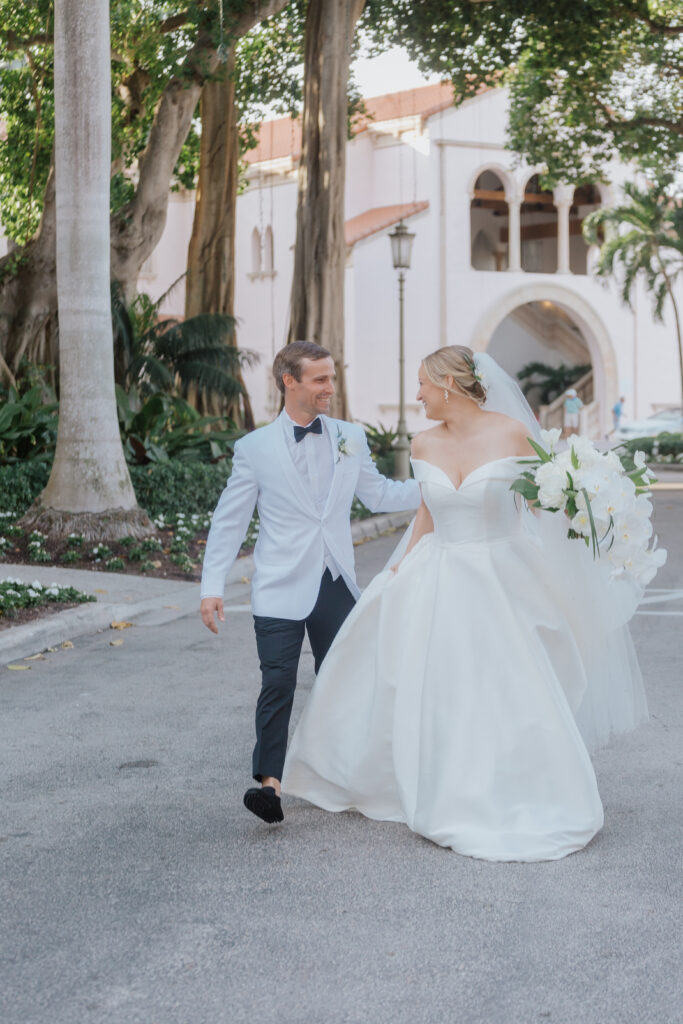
x,y
315,427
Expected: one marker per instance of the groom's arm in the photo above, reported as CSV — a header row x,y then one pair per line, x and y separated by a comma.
x,y
380,494
229,525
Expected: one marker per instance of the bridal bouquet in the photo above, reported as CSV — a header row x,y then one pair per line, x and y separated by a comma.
x,y
605,496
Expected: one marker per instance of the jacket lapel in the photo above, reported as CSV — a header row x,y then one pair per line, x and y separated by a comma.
x,y
335,431
281,451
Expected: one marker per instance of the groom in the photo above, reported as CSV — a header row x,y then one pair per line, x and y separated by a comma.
x,y
302,472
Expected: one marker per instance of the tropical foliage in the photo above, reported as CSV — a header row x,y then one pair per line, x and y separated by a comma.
x,y
543,383
163,427
28,421
154,354
643,237
381,442
151,44
586,79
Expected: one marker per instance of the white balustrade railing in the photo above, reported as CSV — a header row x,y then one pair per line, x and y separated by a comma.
x,y
552,415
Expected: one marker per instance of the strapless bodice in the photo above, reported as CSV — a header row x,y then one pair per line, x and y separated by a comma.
x,y
480,510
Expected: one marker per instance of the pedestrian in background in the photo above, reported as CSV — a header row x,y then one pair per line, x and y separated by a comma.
x,y
617,411
572,407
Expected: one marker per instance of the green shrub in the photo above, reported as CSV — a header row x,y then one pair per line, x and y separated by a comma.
x,y
20,485
666,444
162,488
165,488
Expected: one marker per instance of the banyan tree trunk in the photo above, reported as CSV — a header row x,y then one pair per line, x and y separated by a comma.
x,y
317,307
28,297
210,283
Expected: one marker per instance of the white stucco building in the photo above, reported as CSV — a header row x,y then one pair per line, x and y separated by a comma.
x,y
497,263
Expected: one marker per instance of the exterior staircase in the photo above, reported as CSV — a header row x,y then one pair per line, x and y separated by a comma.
x,y
589,418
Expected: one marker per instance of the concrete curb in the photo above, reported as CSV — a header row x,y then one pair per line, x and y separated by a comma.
x,y
20,641
173,601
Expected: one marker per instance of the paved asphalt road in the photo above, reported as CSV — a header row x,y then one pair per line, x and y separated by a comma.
x,y
136,888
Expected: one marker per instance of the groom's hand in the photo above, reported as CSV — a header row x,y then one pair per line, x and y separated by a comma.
x,y
209,607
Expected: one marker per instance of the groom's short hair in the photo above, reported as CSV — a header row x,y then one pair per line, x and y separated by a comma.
x,y
290,360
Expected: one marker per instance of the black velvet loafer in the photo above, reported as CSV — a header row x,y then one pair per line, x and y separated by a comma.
x,y
264,803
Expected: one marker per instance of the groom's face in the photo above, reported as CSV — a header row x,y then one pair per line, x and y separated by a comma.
x,y
311,395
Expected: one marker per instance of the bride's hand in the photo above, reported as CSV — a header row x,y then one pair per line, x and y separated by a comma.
x,y
394,568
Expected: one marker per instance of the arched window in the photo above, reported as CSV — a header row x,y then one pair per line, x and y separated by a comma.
x,y
483,255
488,223
256,251
268,261
538,229
586,199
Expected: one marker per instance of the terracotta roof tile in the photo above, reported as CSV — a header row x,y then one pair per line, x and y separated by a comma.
x,y
281,137
379,218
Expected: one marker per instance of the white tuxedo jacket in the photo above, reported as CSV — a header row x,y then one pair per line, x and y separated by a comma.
x,y
289,552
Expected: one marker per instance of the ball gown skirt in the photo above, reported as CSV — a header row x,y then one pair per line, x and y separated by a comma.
x,y
448,698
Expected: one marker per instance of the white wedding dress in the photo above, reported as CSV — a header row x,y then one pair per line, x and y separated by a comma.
x,y
450,698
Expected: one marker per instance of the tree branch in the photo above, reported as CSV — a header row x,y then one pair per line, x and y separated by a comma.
x,y
260,12
12,41
658,27
639,122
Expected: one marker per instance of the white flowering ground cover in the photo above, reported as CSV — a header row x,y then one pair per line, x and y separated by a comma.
x,y
17,597
175,551
605,496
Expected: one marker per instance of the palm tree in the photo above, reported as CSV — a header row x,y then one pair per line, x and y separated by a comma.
x,y
647,239
189,357
89,489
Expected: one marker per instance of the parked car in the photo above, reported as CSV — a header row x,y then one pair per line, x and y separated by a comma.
x,y
669,420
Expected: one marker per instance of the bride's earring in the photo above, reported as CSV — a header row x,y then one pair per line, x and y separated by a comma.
x,y
445,394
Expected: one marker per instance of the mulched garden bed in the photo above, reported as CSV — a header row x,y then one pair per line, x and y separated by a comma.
x,y
175,551
151,557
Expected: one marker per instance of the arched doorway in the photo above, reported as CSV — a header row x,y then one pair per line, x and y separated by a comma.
x,y
558,325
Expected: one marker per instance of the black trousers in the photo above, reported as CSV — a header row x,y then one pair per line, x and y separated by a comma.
x,y
279,642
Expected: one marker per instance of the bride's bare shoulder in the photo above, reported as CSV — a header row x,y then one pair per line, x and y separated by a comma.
x,y
422,442
514,430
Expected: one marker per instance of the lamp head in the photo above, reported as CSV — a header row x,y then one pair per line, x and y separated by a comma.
x,y
401,246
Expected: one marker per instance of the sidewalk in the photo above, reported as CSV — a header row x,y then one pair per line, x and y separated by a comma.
x,y
148,601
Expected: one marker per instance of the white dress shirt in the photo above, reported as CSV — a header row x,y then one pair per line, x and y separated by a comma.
x,y
314,462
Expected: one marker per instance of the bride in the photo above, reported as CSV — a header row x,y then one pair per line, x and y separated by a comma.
x,y
462,691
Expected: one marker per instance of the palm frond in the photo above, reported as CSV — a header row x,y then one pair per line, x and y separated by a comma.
x,y
210,379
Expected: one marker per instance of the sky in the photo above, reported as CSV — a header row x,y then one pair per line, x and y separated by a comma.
x,y
393,71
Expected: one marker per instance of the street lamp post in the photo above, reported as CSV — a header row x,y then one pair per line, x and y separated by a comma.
x,y
401,245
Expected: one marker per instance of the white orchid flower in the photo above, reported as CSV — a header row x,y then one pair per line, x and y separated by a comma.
x,y
550,438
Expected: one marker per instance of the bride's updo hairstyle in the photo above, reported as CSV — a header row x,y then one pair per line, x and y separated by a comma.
x,y
456,361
